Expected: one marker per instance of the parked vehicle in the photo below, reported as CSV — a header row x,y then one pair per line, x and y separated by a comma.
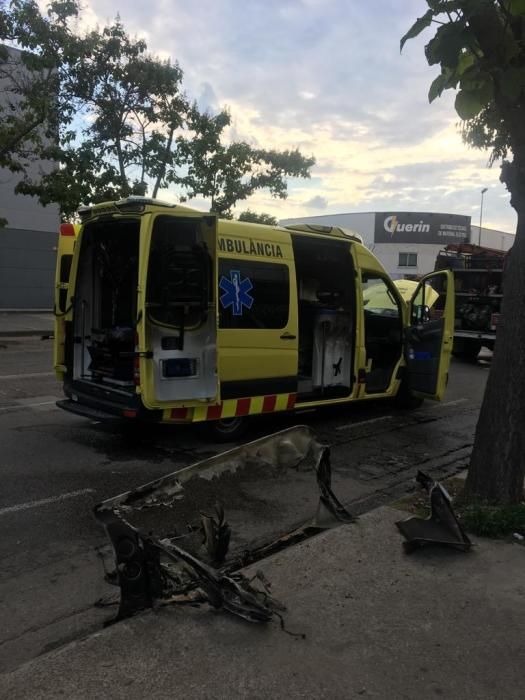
x,y
174,315
478,274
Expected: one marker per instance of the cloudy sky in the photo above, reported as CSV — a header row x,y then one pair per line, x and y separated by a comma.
x,y
326,76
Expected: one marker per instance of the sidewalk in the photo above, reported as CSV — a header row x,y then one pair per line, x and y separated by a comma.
x,y
19,323
378,624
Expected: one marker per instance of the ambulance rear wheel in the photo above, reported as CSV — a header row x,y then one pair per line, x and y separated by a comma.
x,y
226,429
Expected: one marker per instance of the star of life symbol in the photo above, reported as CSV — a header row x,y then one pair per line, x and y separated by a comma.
x,y
236,292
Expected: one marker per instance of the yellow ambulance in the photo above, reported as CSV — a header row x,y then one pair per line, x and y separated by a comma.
x,y
164,313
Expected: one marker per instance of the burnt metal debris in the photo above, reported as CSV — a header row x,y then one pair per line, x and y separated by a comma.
x,y
442,526
172,542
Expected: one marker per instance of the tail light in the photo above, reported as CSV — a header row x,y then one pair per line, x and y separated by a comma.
x,y
67,230
494,320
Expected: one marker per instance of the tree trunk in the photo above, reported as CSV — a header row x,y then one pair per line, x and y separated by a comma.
x,y
162,172
497,465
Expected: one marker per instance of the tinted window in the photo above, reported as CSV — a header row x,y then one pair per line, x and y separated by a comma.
x,y
178,274
253,294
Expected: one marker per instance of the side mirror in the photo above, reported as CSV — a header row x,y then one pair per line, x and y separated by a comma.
x,y
420,313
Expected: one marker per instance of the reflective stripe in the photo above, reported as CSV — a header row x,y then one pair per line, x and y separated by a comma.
x,y
269,403
214,412
232,408
243,407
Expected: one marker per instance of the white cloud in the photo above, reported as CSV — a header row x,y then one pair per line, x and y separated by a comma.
x,y
316,202
325,76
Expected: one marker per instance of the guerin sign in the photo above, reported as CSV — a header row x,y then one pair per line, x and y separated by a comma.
x,y
392,225
416,227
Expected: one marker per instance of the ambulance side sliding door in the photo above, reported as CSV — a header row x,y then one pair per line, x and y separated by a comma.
x,y
258,326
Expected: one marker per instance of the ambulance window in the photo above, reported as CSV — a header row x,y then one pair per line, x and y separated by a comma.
x,y
378,297
253,294
179,272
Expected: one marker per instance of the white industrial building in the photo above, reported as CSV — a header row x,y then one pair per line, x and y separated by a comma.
x,y
28,242
407,243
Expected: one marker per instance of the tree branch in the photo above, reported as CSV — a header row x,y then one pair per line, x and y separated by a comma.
x,y
162,171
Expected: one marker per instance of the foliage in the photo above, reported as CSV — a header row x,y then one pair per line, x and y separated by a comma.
x,y
37,82
494,521
480,48
115,120
255,218
228,173
131,107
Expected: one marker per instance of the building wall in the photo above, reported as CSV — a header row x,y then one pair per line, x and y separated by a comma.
x,y
362,223
27,268
491,238
388,253
28,243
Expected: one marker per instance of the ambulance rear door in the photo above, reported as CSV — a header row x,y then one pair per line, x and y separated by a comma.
x,y
176,355
66,244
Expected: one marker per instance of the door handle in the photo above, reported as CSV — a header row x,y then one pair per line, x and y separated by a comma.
x,y
288,336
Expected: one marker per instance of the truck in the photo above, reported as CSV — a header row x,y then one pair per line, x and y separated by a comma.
x,y
164,313
478,275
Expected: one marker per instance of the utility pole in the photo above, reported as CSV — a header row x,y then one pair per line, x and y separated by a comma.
x,y
481,214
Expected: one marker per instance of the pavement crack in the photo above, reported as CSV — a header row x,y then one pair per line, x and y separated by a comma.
x,y
48,623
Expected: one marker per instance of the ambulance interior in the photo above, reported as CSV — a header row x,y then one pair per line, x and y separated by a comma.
x,y
326,306
106,303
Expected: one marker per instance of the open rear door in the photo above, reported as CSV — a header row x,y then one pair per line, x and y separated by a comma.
x,y
66,243
177,329
429,337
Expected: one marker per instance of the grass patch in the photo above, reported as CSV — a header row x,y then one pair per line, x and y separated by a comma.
x,y
418,503
493,521
478,519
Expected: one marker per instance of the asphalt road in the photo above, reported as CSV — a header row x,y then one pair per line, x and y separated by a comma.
x,y
54,467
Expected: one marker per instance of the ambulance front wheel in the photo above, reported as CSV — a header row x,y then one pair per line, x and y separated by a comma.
x,y
466,349
226,429
405,398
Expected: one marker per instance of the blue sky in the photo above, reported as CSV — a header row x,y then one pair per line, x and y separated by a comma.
x,y
325,76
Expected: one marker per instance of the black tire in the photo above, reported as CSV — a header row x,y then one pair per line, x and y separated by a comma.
x,y
227,429
466,349
406,399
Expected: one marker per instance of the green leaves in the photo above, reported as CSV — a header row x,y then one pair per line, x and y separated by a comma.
x,y
446,46
479,46
468,104
516,7
255,218
512,82
444,80
477,91
229,173
419,25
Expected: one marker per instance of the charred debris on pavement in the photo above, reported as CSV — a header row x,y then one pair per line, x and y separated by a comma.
x,y
173,544
442,527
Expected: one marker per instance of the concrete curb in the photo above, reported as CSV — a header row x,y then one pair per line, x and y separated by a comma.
x,y
25,334
26,311
377,623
